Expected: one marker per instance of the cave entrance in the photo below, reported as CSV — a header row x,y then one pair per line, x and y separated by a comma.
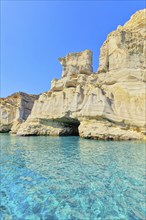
x,y
69,126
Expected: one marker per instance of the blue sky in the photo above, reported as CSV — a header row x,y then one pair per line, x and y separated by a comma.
x,y
35,33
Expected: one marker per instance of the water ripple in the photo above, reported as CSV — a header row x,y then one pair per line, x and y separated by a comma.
x,y
68,178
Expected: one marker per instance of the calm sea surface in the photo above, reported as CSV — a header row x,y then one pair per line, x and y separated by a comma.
x,y
69,178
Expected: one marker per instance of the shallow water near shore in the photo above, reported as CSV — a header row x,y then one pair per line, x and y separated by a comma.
x,y
70,178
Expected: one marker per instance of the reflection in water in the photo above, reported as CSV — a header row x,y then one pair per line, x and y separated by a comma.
x,y
71,178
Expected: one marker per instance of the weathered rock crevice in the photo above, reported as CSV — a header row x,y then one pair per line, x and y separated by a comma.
x,y
54,127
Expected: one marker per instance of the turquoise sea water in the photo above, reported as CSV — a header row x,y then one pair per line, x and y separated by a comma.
x,y
69,178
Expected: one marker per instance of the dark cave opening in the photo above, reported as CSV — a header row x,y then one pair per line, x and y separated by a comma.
x,y
69,125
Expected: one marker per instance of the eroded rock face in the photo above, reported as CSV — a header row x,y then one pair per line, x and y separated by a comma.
x,y
125,47
14,110
75,63
110,104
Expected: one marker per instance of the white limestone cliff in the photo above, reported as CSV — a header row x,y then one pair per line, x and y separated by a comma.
x,y
14,110
109,104
125,47
75,63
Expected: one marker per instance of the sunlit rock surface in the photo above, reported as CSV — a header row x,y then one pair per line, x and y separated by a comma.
x,y
125,47
75,63
109,104
14,110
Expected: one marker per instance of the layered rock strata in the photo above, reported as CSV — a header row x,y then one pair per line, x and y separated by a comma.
x,y
109,104
14,110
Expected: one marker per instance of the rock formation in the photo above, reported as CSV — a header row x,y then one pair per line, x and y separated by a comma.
x,y
75,63
14,110
125,47
109,104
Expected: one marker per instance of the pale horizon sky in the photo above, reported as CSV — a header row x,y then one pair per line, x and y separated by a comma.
x,y
35,33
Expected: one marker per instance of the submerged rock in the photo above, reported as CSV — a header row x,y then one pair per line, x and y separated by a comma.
x,y
109,104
